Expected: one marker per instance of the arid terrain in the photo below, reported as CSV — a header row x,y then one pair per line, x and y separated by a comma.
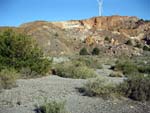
x,y
113,49
109,33
29,93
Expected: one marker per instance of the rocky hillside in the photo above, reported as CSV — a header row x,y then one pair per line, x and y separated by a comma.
x,y
108,33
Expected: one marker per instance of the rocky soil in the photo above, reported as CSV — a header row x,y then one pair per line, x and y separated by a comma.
x,y
31,92
68,37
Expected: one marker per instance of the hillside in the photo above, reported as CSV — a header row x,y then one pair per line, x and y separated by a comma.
x,y
95,65
68,37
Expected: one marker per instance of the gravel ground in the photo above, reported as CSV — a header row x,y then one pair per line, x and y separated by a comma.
x,y
29,93
105,71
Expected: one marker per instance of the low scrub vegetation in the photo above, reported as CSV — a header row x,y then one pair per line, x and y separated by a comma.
x,y
95,51
132,67
136,88
146,48
143,68
130,42
74,70
107,39
128,67
99,87
51,107
137,84
91,62
17,52
84,51
8,78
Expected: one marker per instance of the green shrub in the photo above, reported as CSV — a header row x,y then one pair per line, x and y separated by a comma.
x,y
41,66
83,72
8,78
146,48
99,87
28,73
128,67
144,69
84,51
74,70
136,88
107,39
130,42
51,107
19,51
91,62
95,51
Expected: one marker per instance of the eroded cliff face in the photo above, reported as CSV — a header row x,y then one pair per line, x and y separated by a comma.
x,y
68,37
105,23
130,27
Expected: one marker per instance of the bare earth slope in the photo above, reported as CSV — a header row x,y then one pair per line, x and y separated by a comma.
x,y
68,37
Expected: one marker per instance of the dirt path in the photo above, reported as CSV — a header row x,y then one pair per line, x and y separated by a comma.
x,y
30,92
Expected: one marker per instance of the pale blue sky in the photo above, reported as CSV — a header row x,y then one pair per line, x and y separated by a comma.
x,y
16,12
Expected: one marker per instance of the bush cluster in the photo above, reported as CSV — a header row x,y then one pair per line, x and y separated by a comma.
x,y
130,42
128,67
74,70
8,78
18,51
136,88
144,69
84,51
99,87
91,62
146,48
95,51
51,107
107,39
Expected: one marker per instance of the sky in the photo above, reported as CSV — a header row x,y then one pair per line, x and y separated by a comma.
x,y
16,12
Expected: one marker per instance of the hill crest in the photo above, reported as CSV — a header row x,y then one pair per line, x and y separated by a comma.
x,y
68,37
